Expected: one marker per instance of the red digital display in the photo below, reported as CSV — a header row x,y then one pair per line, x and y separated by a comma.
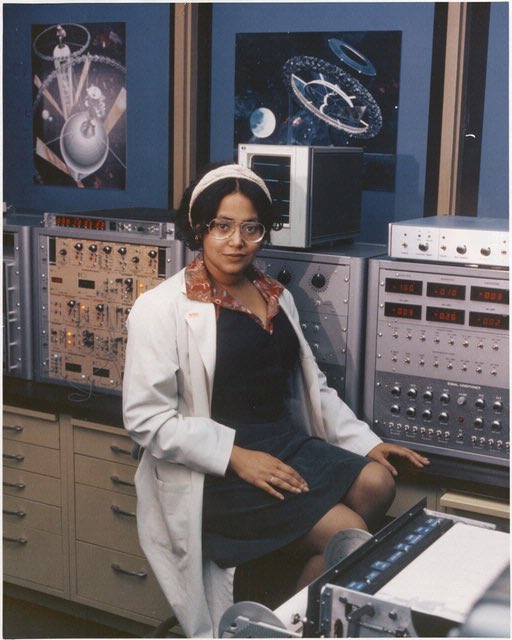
x,y
405,311
489,294
400,285
450,316
488,320
443,290
79,222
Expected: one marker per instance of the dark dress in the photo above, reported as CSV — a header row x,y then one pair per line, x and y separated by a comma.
x,y
240,521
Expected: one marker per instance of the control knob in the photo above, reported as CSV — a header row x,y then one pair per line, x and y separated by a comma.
x,y
411,412
427,396
480,403
412,393
496,425
497,406
122,251
63,252
423,246
93,248
444,398
284,277
135,259
107,249
485,251
88,338
478,423
79,246
427,414
152,254
395,409
318,280
443,417
396,391
461,249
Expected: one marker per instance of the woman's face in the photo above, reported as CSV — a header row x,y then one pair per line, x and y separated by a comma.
x,y
232,256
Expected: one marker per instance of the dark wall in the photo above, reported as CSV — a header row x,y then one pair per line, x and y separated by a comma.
x,y
493,196
148,42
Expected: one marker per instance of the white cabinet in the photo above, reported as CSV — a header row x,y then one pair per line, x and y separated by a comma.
x,y
69,515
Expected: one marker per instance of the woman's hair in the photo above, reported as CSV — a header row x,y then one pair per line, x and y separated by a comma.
x,y
207,203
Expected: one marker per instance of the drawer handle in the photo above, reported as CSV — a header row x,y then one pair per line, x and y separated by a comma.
x,y
15,427
17,456
118,511
17,540
19,514
124,452
117,480
15,485
135,574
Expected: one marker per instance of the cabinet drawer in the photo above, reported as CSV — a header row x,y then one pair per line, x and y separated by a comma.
x,y
18,512
30,457
104,445
129,586
33,555
107,519
105,474
35,430
32,486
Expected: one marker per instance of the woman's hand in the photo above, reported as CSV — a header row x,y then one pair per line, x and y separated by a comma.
x,y
382,451
266,472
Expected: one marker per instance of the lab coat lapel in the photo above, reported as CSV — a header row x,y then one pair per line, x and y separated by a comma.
x,y
200,318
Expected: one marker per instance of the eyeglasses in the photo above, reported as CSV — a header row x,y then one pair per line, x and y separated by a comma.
x,y
221,229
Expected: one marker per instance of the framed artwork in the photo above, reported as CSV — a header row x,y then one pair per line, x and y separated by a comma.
x,y
322,88
79,104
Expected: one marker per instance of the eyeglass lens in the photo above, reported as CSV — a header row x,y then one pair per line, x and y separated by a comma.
x,y
251,231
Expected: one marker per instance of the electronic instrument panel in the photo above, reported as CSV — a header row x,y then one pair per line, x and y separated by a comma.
x,y
88,279
372,587
466,240
329,289
17,302
437,358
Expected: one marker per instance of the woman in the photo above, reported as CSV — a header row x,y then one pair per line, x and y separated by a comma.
x,y
223,392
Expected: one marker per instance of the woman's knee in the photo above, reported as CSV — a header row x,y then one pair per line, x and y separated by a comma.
x,y
373,490
377,481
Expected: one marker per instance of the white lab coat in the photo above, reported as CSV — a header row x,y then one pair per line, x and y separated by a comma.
x,y
167,392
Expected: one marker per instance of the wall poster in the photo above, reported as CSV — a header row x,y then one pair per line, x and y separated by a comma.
x,y
330,89
79,105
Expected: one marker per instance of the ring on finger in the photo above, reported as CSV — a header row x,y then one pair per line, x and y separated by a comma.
x,y
272,480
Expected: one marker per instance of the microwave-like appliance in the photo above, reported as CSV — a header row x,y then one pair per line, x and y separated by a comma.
x,y
316,190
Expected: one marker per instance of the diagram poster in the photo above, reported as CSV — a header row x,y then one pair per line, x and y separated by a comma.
x,y
326,89
79,105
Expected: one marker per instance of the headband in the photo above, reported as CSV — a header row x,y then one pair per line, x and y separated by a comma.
x,y
225,171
